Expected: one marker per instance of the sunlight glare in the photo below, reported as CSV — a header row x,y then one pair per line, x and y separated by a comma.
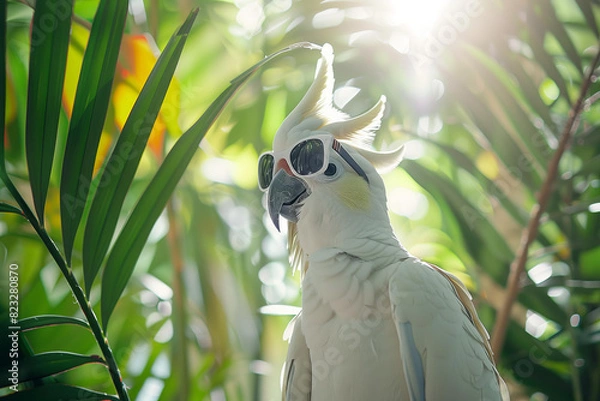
x,y
279,310
540,272
535,324
408,203
418,16
151,389
594,207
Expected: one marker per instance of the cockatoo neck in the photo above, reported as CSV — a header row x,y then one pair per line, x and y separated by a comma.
x,y
362,230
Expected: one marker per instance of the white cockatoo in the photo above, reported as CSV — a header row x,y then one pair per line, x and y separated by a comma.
x,y
376,323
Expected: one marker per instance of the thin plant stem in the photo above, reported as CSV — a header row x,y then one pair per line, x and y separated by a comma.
x,y
530,232
180,316
76,289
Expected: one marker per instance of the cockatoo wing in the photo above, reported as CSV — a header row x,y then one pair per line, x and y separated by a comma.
x,y
297,371
445,348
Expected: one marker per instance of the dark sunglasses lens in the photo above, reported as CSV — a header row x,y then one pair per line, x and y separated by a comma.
x,y
265,171
308,156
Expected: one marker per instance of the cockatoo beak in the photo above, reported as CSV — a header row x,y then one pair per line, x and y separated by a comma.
x,y
286,194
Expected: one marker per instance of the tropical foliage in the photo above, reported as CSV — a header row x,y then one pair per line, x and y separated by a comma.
x,y
133,229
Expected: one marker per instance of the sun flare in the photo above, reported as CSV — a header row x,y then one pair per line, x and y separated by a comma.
x,y
419,17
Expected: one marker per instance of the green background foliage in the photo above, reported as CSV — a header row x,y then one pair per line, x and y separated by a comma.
x,y
479,91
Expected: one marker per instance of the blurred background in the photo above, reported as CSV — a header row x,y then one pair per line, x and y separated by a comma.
x,y
478,90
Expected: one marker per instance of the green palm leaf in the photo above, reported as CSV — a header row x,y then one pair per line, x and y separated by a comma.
x,y
125,157
89,112
59,391
48,48
49,364
36,322
6,208
2,83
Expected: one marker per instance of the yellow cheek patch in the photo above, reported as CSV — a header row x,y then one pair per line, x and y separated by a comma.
x,y
354,192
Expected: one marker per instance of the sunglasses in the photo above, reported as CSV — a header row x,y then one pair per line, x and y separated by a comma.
x,y
306,158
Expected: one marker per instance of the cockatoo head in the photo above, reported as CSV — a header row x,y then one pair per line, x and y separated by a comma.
x,y
321,175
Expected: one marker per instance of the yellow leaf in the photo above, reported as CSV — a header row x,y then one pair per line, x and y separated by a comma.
x,y
103,149
135,64
488,164
123,98
53,209
79,39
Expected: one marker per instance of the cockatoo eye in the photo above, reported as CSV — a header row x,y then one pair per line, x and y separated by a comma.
x,y
331,170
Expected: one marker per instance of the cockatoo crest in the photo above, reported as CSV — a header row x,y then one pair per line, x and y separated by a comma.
x,y
316,114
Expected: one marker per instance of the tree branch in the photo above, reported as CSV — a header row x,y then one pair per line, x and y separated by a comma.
x,y
530,232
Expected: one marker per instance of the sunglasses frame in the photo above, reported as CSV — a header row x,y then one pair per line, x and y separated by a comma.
x,y
329,142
